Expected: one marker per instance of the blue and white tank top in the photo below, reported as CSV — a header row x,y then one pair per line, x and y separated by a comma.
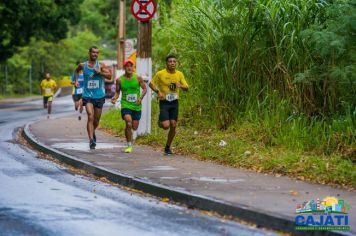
x,y
78,90
93,84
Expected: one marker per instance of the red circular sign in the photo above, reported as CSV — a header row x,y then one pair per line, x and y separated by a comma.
x,y
143,10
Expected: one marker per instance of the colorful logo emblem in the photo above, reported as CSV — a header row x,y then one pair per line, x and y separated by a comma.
x,y
328,214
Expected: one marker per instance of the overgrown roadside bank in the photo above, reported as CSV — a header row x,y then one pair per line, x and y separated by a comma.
x,y
245,146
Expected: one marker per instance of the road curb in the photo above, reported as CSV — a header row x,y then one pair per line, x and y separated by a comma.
x,y
247,213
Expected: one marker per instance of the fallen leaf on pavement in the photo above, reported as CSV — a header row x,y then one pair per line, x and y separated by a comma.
x,y
165,199
293,193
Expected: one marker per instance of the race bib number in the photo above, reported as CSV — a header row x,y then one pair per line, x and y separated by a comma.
x,y
47,90
79,90
171,97
94,84
131,97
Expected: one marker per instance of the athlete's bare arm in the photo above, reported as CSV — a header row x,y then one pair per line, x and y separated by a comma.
x,y
117,91
159,94
143,87
182,87
55,87
79,68
105,72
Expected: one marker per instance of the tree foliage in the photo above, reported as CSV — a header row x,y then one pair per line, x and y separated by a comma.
x,y
57,58
101,17
41,19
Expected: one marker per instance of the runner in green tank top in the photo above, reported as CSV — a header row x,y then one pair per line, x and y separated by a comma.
x,y
130,85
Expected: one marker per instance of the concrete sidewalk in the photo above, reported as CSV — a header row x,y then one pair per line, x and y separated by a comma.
x,y
263,199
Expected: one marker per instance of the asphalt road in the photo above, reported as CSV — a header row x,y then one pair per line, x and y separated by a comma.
x,y
39,197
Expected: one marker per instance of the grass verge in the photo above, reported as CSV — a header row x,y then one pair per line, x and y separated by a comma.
x,y
242,150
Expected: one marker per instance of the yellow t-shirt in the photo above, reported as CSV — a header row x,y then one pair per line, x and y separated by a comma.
x,y
165,82
48,87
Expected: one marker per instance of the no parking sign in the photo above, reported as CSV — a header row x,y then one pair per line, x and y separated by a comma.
x,y
143,10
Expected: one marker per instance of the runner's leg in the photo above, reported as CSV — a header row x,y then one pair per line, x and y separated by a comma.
x,y
128,132
128,128
49,107
135,124
90,123
173,117
45,100
165,124
163,118
171,133
76,105
80,104
97,115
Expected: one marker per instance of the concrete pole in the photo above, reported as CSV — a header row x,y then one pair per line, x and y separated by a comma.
x,y
144,68
121,35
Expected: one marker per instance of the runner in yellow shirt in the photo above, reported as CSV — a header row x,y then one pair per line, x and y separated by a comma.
x,y
166,83
48,87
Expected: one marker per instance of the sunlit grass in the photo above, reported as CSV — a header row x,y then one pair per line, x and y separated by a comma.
x,y
246,148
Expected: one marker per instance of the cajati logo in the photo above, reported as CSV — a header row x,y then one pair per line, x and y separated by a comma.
x,y
327,214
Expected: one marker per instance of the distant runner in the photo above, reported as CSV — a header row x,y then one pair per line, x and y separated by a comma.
x,y
129,84
166,83
48,87
95,76
77,92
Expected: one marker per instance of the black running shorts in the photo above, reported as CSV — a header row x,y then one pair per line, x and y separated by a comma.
x,y
76,97
47,99
97,102
168,110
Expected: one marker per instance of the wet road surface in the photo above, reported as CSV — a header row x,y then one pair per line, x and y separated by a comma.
x,y
39,197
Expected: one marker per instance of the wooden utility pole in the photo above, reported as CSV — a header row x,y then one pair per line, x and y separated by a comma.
x,y
144,42
121,35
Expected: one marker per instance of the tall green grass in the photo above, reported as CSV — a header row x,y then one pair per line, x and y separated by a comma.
x,y
260,61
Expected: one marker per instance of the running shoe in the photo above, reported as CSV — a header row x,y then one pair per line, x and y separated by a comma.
x,y
168,151
129,149
94,137
79,117
92,144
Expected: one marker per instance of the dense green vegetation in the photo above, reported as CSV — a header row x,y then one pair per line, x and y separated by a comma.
x,y
54,38
288,67
41,19
245,148
274,78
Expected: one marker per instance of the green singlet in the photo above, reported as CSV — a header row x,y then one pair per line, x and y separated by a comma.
x,y
130,93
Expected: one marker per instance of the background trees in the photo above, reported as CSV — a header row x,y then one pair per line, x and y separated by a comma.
x,y
45,35
40,19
